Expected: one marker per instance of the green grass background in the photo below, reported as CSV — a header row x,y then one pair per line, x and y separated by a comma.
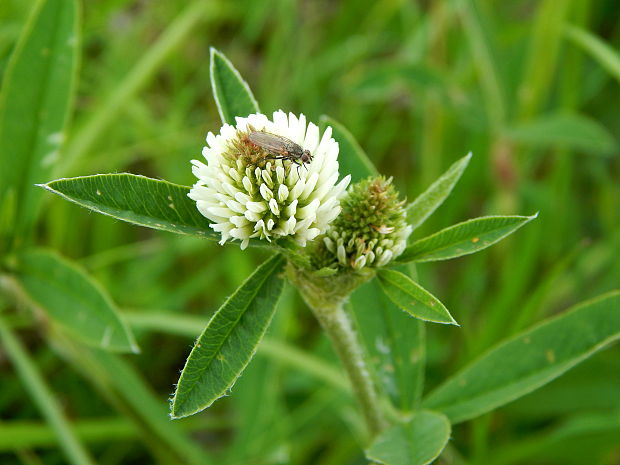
x,y
419,84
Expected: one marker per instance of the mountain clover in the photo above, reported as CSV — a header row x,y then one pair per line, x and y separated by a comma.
x,y
327,241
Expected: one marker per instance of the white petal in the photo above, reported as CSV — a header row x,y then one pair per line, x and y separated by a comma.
x,y
280,120
309,210
310,185
293,124
312,138
292,208
235,206
265,192
329,244
273,206
280,174
341,186
325,187
247,184
297,189
257,207
282,192
359,262
242,198
239,221
385,257
289,226
266,176
224,212
252,216
341,254
312,233
300,134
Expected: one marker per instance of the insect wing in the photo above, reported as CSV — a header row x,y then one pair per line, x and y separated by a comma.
x,y
274,143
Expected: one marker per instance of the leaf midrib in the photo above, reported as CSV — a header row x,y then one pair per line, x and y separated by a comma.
x,y
33,144
420,288
422,252
77,297
206,365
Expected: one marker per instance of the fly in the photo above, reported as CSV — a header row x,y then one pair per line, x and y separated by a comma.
x,y
280,147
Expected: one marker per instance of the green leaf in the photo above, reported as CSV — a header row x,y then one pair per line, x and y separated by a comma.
x,y
232,94
463,238
229,341
573,131
380,81
427,202
485,58
571,430
72,299
601,51
34,106
43,397
136,199
419,441
122,382
287,354
351,158
529,360
393,341
413,298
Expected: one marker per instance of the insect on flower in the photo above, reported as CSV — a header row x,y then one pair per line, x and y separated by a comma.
x,y
280,147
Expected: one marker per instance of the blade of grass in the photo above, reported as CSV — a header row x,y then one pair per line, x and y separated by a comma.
x,y
123,386
37,92
530,448
191,326
44,398
603,53
480,44
542,57
19,434
136,78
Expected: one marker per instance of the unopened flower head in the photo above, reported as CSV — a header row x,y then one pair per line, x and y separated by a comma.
x,y
249,192
370,231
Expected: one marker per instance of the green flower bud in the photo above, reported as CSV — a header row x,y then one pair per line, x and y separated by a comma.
x,y
370,231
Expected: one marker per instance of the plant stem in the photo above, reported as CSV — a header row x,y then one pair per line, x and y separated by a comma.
x,y
337,325
44,398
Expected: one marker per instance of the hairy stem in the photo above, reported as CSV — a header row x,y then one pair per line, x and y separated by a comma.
x,y
337,325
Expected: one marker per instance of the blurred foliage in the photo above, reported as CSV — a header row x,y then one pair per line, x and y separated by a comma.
x,y
419,84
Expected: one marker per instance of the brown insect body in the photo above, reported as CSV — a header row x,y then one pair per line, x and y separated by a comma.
x,y
280,147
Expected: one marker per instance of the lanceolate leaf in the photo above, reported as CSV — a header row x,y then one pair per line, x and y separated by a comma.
x,y
413,298
232,94
605,54
34,105
394,342
136,199
463,238
352,158
229,341
72,299
43,398
427,202
529,360
417,442
573,131
120,380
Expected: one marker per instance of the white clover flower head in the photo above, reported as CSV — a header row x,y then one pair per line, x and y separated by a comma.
x,y
249,192
370,232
